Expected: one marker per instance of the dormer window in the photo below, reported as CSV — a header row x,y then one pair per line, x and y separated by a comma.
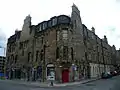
x,y
49,23
54,21
44,25
40,27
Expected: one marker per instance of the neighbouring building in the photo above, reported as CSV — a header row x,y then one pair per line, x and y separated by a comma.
x,y
61,49
2,64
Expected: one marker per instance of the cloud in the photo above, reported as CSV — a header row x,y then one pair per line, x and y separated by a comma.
x,y
2,36
104,15
112,29
118,1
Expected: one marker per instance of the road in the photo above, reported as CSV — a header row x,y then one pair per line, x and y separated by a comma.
x,y
107,84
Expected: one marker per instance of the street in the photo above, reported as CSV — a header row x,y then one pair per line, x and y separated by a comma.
x,y
103,84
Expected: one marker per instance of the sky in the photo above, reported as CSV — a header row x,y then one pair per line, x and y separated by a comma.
x,y
104,15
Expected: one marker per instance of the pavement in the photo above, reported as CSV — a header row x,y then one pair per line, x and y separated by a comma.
x,y
47,84
102,84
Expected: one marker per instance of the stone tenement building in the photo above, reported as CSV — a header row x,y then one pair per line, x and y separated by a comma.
x,y
62,49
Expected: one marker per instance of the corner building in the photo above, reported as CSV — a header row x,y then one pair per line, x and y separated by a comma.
x,y
62,49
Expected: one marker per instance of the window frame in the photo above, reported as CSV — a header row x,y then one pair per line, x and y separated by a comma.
x,y
65,34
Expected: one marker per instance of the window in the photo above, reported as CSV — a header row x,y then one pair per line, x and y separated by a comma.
x,y
57,53
65,52
42,40
65,34
75,23
54,21
93,36
8,60
30,30
44,25
22,52
37,55
16,57
72,54
41,55
38,41
86,55
49,23
12,58
58,35
85,32
20,47
40,28
29,56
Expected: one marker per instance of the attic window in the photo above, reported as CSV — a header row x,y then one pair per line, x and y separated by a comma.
x,y
44,25
54,21
40,28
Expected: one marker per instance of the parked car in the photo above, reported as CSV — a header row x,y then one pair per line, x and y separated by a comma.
x,y
118,72
106,75
113,73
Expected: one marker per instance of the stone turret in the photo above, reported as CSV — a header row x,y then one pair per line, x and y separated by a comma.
x,y
25,34
27,20
76,19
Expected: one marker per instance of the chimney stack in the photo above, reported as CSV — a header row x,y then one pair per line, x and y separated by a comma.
x,y
93,29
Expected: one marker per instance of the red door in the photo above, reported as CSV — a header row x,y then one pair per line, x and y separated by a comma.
x,y
65,76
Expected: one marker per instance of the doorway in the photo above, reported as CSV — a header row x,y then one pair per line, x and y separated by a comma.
x,y
65,76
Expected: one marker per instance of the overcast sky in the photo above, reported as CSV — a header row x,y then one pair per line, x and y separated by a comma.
x,y
104,15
